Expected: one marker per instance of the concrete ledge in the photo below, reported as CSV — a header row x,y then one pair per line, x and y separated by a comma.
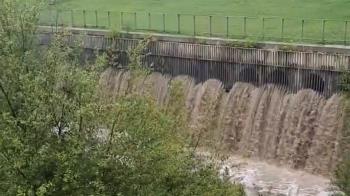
x,y
329,49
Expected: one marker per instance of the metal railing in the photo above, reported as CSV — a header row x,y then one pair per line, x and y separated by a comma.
x,y
320,31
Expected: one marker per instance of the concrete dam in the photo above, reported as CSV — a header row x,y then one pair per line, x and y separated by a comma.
x,y
273,104
276,106
292,70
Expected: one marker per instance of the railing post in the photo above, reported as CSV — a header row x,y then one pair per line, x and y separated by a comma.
x,y
194,25
57,18
72,17
149,21
164,23
109,18
178,24
245,26
96,19
84,18
323,31
121,20
227,27
210,26
135,20
302,29
263,28
345,32
282,29
51,18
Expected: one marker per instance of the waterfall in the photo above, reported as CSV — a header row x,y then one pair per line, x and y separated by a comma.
x,y
299,131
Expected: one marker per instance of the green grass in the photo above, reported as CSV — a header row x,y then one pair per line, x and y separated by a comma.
x,y
252,27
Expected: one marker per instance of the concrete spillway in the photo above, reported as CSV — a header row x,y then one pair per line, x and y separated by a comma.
x,y
299,130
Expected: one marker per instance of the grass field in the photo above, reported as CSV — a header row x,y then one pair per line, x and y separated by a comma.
x,y
287,20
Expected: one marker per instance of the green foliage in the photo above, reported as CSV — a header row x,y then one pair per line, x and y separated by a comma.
x,y
137,54
244,44
114,34
288,48
344,83
60,137
136,57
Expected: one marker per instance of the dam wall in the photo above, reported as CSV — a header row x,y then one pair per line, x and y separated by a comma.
x,y
278,106
293,70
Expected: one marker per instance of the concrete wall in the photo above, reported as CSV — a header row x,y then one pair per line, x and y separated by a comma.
x,y
292,69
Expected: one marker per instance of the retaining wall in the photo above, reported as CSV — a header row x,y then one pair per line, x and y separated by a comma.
x,y
292,69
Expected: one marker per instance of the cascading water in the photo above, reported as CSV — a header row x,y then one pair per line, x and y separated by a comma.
x,y
299,131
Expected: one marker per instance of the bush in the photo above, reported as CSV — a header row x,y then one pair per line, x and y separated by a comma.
x,y
60,137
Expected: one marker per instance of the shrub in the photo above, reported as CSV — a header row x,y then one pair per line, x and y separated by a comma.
x,y
60,137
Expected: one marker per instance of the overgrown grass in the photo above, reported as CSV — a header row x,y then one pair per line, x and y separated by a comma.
x,y
335,9
313,12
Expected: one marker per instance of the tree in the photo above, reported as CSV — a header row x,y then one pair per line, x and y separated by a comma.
x,y
59,136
